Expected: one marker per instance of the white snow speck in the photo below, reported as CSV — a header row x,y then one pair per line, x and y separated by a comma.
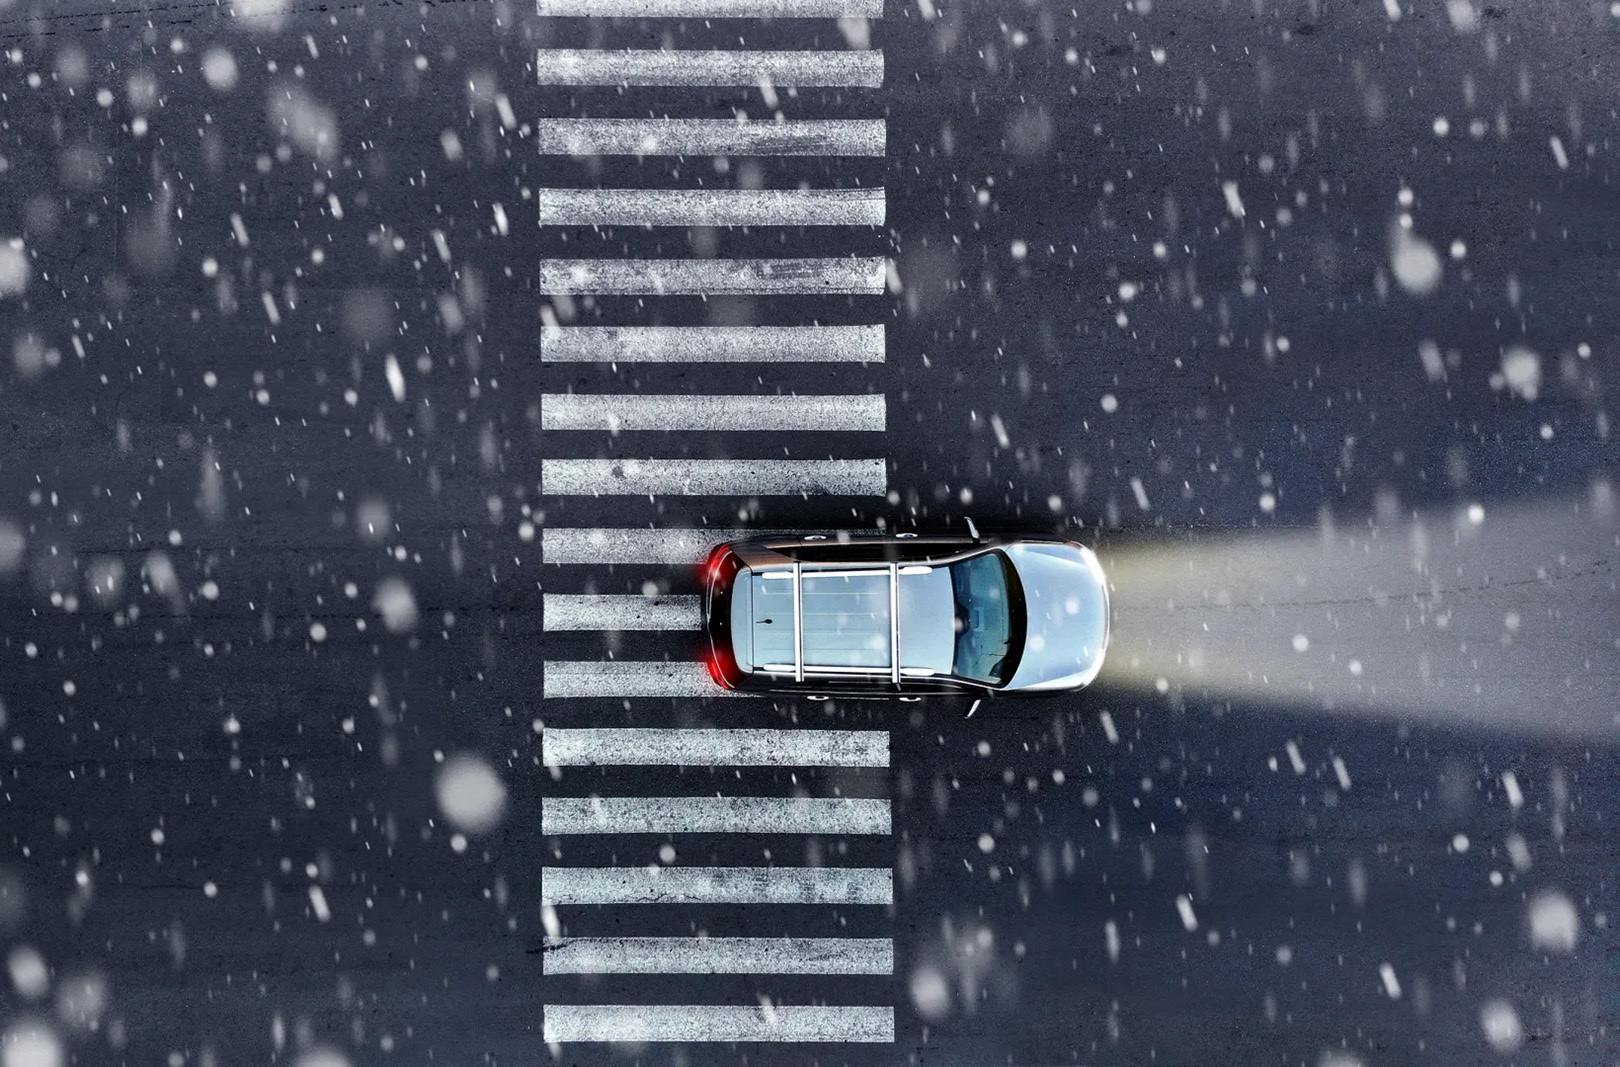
x,y
323,1057
395,602
317,900
1392,985
1140,492
1392,8
857,31
1415,262
1234,202
1554,923
310,125
12,544
1434,368
1521,369
14,267
470,794
1559,155
1295,759
30,356
1110,403
930,994
1109,730
1301,643
81,1000
29,975
373,519
219,69
1510,786
29,1043
1503,1031
396,379
1111,939
1184,907
1463,14
1000,428
261,16
1341,772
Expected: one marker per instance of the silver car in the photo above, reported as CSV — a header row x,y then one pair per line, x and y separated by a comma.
x,y
904,615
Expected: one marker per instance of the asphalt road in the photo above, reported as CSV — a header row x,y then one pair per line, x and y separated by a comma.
x,y
1296,424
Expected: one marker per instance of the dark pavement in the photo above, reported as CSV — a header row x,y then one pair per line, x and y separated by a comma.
x,y
1199,871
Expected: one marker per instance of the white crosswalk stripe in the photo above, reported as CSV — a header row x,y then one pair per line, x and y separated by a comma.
x,y
712,344
710,207
714,277
714,9
714,477
639,1023
564,886
709,67
586,679
601,611
718,955
679,547
860,412
713,815
640,747
709,137
585,907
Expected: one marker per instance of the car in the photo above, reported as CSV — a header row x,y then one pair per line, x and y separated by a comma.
x,y
904,615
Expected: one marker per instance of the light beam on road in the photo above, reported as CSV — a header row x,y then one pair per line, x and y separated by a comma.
x,y
1503,618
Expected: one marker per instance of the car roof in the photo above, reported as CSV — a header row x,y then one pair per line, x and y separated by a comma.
x,y
842,619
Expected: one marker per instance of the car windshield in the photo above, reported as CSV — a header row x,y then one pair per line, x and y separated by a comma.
x,y
989,618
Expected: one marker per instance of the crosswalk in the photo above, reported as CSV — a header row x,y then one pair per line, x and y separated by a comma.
x,y
626,729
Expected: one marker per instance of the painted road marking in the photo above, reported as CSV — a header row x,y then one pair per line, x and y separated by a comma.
x,y
865,276
712,344
584,679
714,477
592,611
709,137
713,9
713,815
610,747
560,886
710,207
709,67
856,412
718,955
714,1022
595,545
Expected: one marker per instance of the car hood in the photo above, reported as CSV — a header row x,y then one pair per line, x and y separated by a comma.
x,y
1066,598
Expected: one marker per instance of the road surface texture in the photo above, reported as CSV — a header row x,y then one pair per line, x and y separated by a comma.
x,y
379,374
